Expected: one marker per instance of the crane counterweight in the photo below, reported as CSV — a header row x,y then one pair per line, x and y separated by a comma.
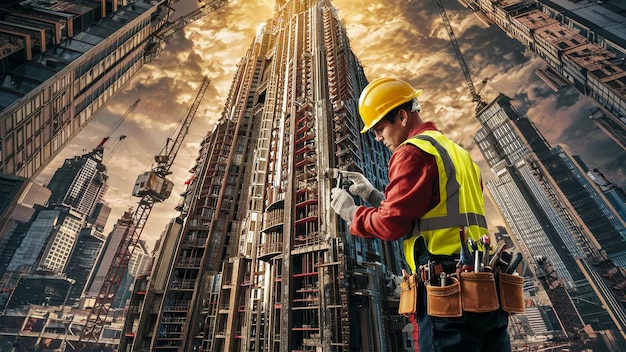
x,y
152,184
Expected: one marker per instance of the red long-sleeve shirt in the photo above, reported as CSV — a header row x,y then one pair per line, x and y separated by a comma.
x,y
412,191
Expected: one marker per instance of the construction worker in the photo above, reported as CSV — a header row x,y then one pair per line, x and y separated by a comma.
x,y
434,192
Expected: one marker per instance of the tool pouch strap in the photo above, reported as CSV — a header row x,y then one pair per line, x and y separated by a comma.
x,y
423,256
444,301
408,295
511,289
478,292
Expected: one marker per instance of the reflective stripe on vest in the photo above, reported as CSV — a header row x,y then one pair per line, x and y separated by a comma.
x,y
440,225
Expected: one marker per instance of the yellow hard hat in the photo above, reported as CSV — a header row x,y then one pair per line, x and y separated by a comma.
x,y
381,96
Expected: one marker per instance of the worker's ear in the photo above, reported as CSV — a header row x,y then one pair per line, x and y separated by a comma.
x,y
403,116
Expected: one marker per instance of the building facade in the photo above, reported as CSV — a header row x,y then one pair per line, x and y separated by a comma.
x,y
61,62
614,193
25,257
80,183
583,44
561,224
18,198
82,261
262,264
77,187
107,255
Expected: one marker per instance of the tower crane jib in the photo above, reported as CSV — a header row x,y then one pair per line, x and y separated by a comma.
x,y
457,50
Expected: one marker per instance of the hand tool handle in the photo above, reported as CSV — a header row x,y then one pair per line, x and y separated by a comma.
x,y
514,263
465,254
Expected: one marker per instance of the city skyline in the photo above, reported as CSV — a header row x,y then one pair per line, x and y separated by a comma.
x,y
420,53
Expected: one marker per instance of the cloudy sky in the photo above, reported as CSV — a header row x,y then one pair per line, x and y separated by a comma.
x,y
402,38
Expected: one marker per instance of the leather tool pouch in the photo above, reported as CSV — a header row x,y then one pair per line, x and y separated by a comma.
x,y
444,301
478,292
408,295
511,292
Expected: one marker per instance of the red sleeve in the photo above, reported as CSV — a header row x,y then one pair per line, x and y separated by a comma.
x,y
413,190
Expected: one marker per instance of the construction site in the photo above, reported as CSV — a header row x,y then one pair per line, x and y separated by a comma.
x,y
259,264
257,261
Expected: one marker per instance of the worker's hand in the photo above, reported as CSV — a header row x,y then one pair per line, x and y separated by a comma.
x,y
342,203
360,186
363,188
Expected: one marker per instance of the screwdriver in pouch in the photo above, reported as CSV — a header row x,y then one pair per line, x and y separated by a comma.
x,y
464,262
486,242
474,245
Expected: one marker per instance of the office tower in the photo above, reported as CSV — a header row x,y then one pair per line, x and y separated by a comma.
x,y
80,183
76,187
262,263
62,61
107,255
140,260
37,236
595,210
82,261
61,242
16,213
583,43
99,216
559,223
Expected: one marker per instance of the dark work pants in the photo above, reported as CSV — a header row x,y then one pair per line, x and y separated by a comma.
x,y
484,332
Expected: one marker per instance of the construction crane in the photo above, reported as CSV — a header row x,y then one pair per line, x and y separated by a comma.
x,y
118,122
480,104
152,187
113,149
157,41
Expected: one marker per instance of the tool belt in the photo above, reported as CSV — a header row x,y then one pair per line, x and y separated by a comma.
x,y
461,292
452,289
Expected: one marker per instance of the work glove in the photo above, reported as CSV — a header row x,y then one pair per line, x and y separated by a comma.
x,y
363,188
342,203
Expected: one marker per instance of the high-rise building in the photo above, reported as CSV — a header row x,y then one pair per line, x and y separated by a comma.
x,y
583,43
82,261
43,290
38,234
107,255
140,260
148,291
15,212
60,243
262,264
76,187
567,232
61,62
80,183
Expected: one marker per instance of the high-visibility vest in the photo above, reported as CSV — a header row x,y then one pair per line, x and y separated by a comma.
x,y
460,203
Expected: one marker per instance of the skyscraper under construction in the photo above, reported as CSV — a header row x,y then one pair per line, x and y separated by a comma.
x,y
261,265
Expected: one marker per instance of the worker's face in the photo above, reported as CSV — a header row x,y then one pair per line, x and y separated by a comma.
x,y
392,134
